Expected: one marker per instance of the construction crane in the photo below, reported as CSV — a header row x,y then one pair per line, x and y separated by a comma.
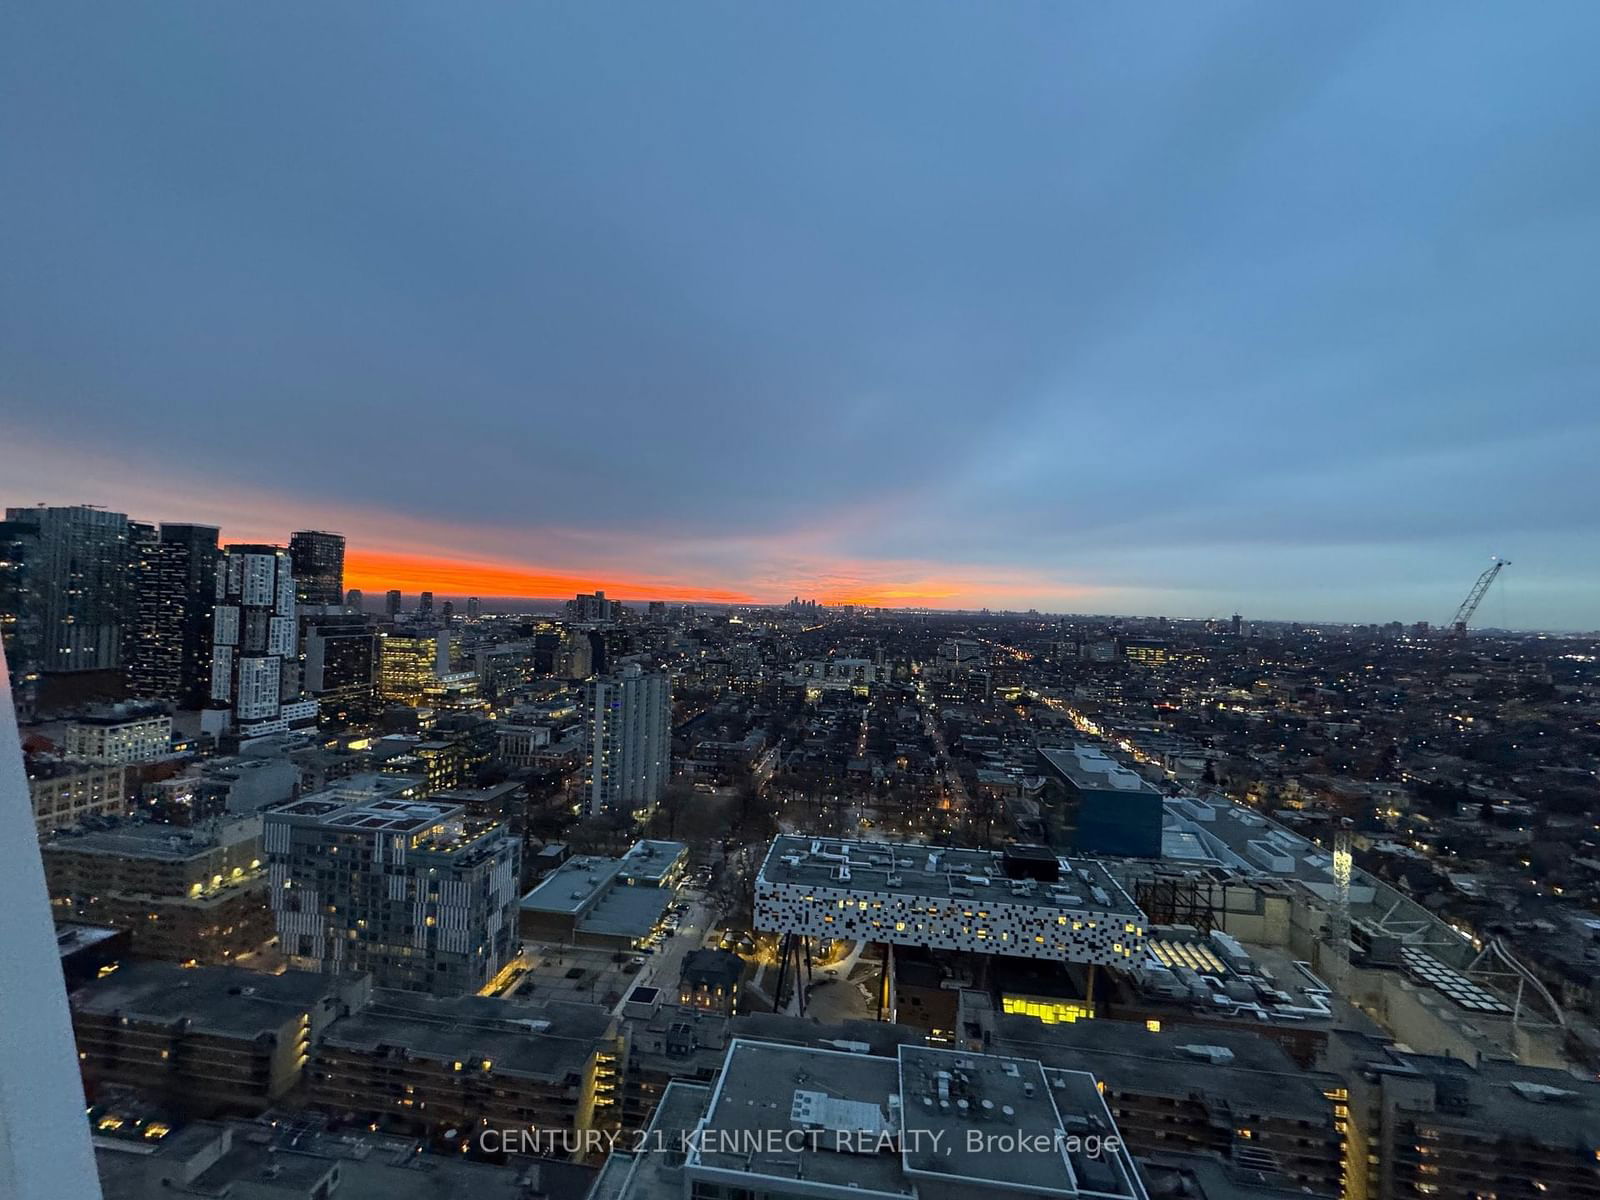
x,y
1475,596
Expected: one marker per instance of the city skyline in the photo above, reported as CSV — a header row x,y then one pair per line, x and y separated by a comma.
x,y
376,575
1065,310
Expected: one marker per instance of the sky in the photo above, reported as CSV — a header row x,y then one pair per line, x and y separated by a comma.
x,y
1189,309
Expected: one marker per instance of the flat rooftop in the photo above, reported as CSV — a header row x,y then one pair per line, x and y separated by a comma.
x,y
72,937
545,1041
1250,1072
1091,769
1223,977
895,1126
157,840
573,886
652,859
375,783
658,1171
1220,832
756,1102
389,815
292,1157
1540,1105
626,911
949,1093
937,873
128,714
227,1001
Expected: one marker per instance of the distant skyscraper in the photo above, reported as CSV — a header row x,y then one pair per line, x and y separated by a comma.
x,y
575,658
425,604
80,581
392,602
628,740
474,609
354,599
20,626
595,607
150,665
408,666
255,666
1238,625
174,580
340,653
317,560
447,610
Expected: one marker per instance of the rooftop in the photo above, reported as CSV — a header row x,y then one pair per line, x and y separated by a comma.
x,y
651,860
547,1041
389,815
574,885
1090,768
123,714
712,966
156,840
937,873
759,1096
896,1126
658,1171
1536,1104
1221,976
228,1001
1254,1074
375,783
292,1158
946,1093
626,911
1204,831
71,938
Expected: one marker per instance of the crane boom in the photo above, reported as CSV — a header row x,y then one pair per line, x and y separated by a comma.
x,y
1475,596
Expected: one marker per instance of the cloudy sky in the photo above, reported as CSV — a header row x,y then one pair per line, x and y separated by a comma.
x,y
1177,308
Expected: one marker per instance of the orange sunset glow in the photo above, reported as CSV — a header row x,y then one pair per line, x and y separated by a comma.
x,y
375,572
869,585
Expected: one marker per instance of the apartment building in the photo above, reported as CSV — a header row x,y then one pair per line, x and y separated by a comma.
x,y
185,893
469,1063
210,1039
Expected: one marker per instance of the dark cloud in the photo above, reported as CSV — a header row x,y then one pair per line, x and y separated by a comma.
x,y
1263,292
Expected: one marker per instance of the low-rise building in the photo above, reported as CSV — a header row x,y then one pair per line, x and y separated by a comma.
x,y
709,979
123,733
796,1122
471,1063
596,901
195,893
210,1039
1197,1090
654,863
278,1160
1422,1125
66,794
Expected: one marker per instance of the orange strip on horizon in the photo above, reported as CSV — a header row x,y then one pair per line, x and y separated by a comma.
x,y
376,572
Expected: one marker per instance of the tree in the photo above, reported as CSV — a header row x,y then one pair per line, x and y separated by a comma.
x,y
669,812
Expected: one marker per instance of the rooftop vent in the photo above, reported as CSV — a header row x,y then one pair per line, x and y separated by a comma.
x,y
1216,1055
1541,1093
